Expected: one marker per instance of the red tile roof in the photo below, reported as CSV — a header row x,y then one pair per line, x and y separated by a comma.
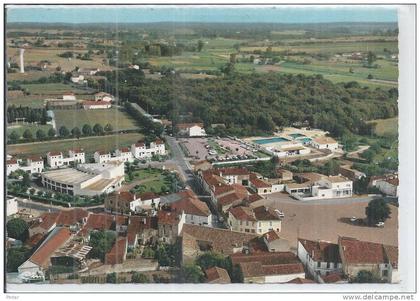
x,y
321,250
99,221
148,196
265,258
124,150
77,150
159,141
254,197
222,189
54,154
35,159
361,252
46,221
258,183
271,235
232,171
263,213
229,199
332,278
243,213
71,217
301,281
139,144
54,241
123,196
11,161
217,275
191,206
118,252
168,217
34,239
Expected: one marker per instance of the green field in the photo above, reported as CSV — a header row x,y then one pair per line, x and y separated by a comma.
x,y
150,180
33,128
72,118
89,144
386,126
33,101
51,89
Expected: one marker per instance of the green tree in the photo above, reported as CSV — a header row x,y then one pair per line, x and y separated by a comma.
x,y
98,129
237,276
137,277
15,257
200,45
371,58
17,228
40,135
111,278
14,137
377,211
108,128
27,134
26,180
87,130
51,133
212,259
63,132
75,132
191,273
101,243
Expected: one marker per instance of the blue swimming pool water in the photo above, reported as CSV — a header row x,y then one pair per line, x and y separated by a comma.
x,y
305,140
270,140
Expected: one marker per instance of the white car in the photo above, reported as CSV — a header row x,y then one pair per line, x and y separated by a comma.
x,y
353,219
380,224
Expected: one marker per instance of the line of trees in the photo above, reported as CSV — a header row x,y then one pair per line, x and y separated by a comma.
x,y
31,115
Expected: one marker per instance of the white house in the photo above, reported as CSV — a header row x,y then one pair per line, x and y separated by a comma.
x,y
388,185
102,157
77,155
320,258
191,129
93,105
124,154
324,143
69,96
34,165
11,206
141,151
11,166
122,202
254,220
56,159
78,79
103,96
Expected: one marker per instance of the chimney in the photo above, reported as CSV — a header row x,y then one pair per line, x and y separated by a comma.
x,y
22,67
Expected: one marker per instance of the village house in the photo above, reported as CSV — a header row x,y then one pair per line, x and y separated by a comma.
x,y
259,186
320,258
94,105
351,173
197,240
275,243
191,129
11,206
33,164
324,142
170,224
103,96
88,71
196,211
123,202
273,267
56,159
254,220
124,154
141,151
387,184
78,79
381,260
39,261
69,96
102,156
148,200
317,186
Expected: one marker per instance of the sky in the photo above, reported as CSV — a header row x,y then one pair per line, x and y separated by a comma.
x,y
241,14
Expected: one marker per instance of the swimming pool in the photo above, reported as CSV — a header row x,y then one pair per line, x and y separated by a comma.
x,y
270,140
305,140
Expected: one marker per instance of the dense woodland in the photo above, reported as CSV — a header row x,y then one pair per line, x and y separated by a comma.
x,y
258,103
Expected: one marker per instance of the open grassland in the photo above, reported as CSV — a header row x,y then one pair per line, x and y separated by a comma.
x,y
71,118
52,89
33,101
20,128
35,55
89,144
386,126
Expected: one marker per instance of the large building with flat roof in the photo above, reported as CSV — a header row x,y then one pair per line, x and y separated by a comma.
x,y
87,179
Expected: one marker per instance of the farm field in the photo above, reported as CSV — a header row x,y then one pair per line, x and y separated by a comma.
x,y
52,89
89,144
114,116
33,101
386,126
20,128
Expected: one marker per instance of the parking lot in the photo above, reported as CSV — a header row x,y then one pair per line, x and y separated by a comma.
x,y
219,149
326,220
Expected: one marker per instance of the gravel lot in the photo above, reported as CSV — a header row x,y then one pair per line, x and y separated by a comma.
x,y
330,220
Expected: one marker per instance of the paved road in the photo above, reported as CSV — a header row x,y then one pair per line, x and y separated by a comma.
x,y
180,160
29,204
283,198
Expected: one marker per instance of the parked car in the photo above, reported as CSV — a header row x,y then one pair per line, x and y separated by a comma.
x,y
380,224
353,219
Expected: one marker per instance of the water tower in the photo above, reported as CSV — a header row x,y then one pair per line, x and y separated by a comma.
x,y
22,67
